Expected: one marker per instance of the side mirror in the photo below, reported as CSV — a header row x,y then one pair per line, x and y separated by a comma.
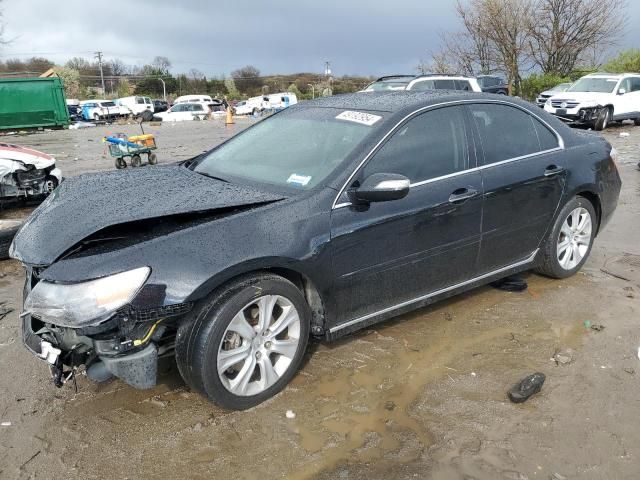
x,y
621,91
382,187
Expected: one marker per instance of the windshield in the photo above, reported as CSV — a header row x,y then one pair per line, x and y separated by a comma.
x,y
560,88
601,85
108,104
294,149
395,84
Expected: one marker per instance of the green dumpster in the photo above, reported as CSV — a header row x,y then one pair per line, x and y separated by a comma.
x,y
32,102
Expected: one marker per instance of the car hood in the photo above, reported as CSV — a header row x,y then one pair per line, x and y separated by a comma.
x,y
84,205
582,97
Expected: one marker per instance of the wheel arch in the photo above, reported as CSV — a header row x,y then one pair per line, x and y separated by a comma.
x,y
594,198
289,269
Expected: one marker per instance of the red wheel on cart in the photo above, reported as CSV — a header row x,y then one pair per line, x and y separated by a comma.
x,y
120,163
152,159
136,161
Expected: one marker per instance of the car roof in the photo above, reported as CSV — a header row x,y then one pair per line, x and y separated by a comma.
x,y
396,100
610,75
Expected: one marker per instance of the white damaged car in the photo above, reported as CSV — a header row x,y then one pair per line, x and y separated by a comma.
x,y
26,173
598,99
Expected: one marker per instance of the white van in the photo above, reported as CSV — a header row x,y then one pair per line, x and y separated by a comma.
x,y
193,99
135,104
274,101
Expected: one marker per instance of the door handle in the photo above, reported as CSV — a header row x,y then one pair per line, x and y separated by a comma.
x,y
461,195
553,170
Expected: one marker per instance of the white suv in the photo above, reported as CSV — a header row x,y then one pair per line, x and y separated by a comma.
x,y
424,83
597,99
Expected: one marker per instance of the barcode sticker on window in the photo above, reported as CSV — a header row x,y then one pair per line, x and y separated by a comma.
x,y
359,117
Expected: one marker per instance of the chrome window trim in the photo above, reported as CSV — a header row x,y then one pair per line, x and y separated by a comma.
x,y
335,205
406,303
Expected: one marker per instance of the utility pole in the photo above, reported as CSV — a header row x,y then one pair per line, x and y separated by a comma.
x,y
327,69
99,57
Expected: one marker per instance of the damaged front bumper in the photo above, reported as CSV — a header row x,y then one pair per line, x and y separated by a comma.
x,y
126,346
579,115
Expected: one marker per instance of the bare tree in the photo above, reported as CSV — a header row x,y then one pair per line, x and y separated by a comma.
x,y
161,65
564,33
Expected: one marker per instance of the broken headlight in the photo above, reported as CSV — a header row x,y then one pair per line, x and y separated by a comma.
x,y
85,303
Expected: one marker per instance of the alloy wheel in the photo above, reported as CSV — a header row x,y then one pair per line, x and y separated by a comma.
x,y
259,345
574,239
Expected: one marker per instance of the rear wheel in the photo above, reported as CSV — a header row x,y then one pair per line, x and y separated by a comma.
x,y
120,163
636,122
603,119
569,243
246,343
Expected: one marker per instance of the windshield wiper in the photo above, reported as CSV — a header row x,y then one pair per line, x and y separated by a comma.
x,y
214,177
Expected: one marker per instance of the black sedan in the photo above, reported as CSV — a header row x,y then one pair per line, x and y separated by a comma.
x,y
327,217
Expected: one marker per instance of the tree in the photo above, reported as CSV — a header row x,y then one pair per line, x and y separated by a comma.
x,y
162,65
232,90
247,80
70,81
124,88
564,33
626,61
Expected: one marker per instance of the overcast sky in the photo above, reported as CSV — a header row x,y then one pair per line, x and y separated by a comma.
x,y
368,37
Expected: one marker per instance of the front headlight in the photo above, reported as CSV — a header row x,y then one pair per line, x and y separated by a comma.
x,y
85,303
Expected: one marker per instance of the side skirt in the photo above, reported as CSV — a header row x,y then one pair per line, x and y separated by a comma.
x,y
362,322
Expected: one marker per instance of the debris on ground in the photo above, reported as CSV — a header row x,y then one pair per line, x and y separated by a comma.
x,y
563,357
624,134
629,291
597,327
4,311
512,283
5,424
638,353
629,370
557,476
390,405
290,414
527,387
78,125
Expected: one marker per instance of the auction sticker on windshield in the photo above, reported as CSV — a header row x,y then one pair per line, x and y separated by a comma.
x,y
359,117
299,179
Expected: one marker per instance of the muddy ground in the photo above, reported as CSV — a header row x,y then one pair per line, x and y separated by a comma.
x,y
422,396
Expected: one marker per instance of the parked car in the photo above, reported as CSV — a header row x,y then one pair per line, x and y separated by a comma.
x,y
97,110
274,101
160,105
193,98
544,96
73,107
598,99
135,104
26,174
493,84
184,111
423,83
354,208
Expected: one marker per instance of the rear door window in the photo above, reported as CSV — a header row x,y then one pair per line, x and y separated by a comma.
x,y
463,85
507,132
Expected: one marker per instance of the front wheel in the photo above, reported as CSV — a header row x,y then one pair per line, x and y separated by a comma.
x,y
136,161
636,122
569,244
152,158
121,163
246,343
603,119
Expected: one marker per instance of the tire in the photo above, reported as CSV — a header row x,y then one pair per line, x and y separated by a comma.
x,y
255,112
636,122
6,237
96,117
120,163
51,183
201,342
136,161
603,120
556,265
152,158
